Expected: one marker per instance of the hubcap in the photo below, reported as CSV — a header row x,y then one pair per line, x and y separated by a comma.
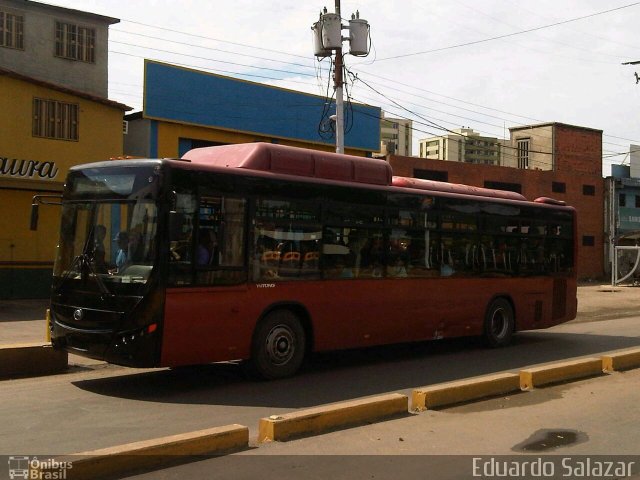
x,y
281,345
499,323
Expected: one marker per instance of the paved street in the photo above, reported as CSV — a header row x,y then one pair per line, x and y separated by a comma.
x,y
98,405
105,406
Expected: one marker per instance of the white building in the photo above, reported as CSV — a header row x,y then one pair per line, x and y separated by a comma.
x,y
463,145
395,136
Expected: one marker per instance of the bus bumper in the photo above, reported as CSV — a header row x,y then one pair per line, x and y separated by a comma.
x,y
132,348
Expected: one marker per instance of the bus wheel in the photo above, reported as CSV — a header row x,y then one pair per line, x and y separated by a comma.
x,y
499,323
278,347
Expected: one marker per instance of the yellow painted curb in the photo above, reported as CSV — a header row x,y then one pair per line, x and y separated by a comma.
x,y
560,372
31,359
47,325
623,360
314,421
148,454
459,391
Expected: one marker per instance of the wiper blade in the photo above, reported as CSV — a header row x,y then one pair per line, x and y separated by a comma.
x,y
96,275
84,261
67,273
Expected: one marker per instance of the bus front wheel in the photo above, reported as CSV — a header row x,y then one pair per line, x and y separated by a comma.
x,y
499,323
278,347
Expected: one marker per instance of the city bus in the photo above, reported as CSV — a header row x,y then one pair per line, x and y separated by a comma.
x,y
266,253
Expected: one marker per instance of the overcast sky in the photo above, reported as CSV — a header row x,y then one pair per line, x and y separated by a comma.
x,y
430,61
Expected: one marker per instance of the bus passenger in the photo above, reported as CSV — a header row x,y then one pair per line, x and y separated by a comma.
x,y
99,234
207,251
122,239
398,269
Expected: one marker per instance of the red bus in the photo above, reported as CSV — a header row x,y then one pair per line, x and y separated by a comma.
x,y
266,253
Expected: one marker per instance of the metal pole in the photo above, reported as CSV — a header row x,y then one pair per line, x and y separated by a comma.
x,y
337,79
613,256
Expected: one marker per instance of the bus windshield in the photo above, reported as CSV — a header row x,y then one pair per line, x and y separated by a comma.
x,y
107,245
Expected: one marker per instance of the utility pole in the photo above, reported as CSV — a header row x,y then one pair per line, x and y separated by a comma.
x,y
327,36
338,83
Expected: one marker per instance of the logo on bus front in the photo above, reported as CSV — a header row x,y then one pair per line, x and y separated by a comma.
x,y
78,314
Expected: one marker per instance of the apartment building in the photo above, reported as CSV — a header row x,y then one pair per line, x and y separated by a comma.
x,y
396,136
463,145
58,45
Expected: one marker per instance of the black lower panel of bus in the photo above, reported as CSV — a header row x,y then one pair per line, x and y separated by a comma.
x,y
135,347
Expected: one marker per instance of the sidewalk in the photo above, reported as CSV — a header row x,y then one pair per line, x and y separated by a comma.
x,y
604,302
18,310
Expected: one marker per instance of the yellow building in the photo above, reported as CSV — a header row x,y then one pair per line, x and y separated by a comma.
x,y
44,130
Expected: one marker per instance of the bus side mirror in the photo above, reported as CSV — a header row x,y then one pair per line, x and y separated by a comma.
x,y
34,216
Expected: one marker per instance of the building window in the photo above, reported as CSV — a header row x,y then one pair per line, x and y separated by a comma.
x,y
588,240
588,190
622,200
75,42
523,153
53,119
437,175
11,30
558,187
637,201
509,187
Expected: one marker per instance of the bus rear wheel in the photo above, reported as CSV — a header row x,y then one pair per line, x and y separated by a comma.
x,y
278,347
499,323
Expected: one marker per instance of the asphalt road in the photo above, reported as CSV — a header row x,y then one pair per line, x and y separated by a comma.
x,y
104,405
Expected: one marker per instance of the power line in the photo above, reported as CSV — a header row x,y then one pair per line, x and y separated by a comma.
x,y
207,69
214,39
499,20
472,104
476,42
298,73
230,52
213,60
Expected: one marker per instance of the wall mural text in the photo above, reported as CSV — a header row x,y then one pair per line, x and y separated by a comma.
x,y
14,167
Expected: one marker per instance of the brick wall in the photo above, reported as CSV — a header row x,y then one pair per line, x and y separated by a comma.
x,y
578,150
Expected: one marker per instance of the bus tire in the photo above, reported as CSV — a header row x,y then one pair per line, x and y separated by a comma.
x,y
278,347
499,323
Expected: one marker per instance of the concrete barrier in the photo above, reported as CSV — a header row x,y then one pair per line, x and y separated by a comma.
x,y
31,359
314,421
459,391
149,454
623,360
560,372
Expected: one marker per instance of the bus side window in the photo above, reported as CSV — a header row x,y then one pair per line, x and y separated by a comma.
x,y
180,239
220,251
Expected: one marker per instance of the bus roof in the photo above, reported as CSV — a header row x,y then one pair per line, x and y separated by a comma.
x,y
435,186
285,160
282,159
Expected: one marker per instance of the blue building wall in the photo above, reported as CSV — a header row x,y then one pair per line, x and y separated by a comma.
x,y
197,98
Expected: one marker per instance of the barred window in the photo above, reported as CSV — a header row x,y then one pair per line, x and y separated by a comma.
x,y
523,153
75,42
11,30
53,119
